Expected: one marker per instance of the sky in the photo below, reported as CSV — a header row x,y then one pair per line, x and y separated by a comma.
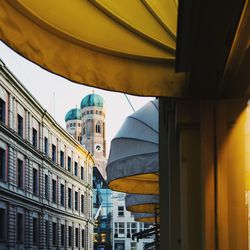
x,y
58,95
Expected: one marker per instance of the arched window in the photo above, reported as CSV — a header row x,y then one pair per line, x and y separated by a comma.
x,y
98,128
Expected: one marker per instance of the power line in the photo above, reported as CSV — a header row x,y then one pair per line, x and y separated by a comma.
x,y
129,102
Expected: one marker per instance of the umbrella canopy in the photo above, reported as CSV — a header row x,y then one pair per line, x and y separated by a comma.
x,y
145,217
133,163
124,46
138,203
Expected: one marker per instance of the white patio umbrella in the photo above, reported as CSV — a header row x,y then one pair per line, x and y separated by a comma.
x,y
133,163
142,203
145,217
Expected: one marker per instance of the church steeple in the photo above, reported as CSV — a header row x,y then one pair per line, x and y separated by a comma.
x,y
93,136
73,121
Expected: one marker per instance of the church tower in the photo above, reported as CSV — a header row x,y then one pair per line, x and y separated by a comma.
x,y
73,121
93,129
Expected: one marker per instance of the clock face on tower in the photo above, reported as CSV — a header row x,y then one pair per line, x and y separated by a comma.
x,y
98,147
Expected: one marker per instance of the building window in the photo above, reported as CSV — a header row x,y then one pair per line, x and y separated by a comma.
x,y
53,153
96,112
62,235
2,224
116,230
87,112
79,124
103,237
91,111
76,237
20,173
133,227
133,245
62,195
46,186
70,236
91,206
100,112
98,128
141,227
20,125
19,228
47,233
83,235
76,200
120,210
90,177
69,197
54,191
62,158
2,110
82,172
2,164
82,203
83,131
97,198
54,233
76,169
35,231
69,164
128,229
121,230
34,138
35,181
46,146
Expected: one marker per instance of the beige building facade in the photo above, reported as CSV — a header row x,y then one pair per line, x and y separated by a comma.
x,y
45,176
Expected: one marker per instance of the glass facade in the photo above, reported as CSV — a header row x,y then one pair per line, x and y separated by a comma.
x,y
102,206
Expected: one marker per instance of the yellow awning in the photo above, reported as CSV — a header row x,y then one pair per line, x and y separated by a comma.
x,y
126,46
129,46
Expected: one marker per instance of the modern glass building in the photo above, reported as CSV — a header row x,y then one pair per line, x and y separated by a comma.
x,y
102,210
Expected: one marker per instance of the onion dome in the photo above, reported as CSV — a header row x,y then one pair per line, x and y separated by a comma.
x,y
92,100
73,114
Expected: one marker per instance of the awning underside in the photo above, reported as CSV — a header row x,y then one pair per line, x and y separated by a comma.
x,y
126,46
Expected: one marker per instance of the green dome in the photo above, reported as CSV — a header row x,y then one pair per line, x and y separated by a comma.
x,y
92,100
73,114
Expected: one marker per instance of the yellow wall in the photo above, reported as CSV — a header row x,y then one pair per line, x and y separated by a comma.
x,y
211,139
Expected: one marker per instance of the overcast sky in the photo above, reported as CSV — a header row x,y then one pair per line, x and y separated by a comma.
x,y
56,93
